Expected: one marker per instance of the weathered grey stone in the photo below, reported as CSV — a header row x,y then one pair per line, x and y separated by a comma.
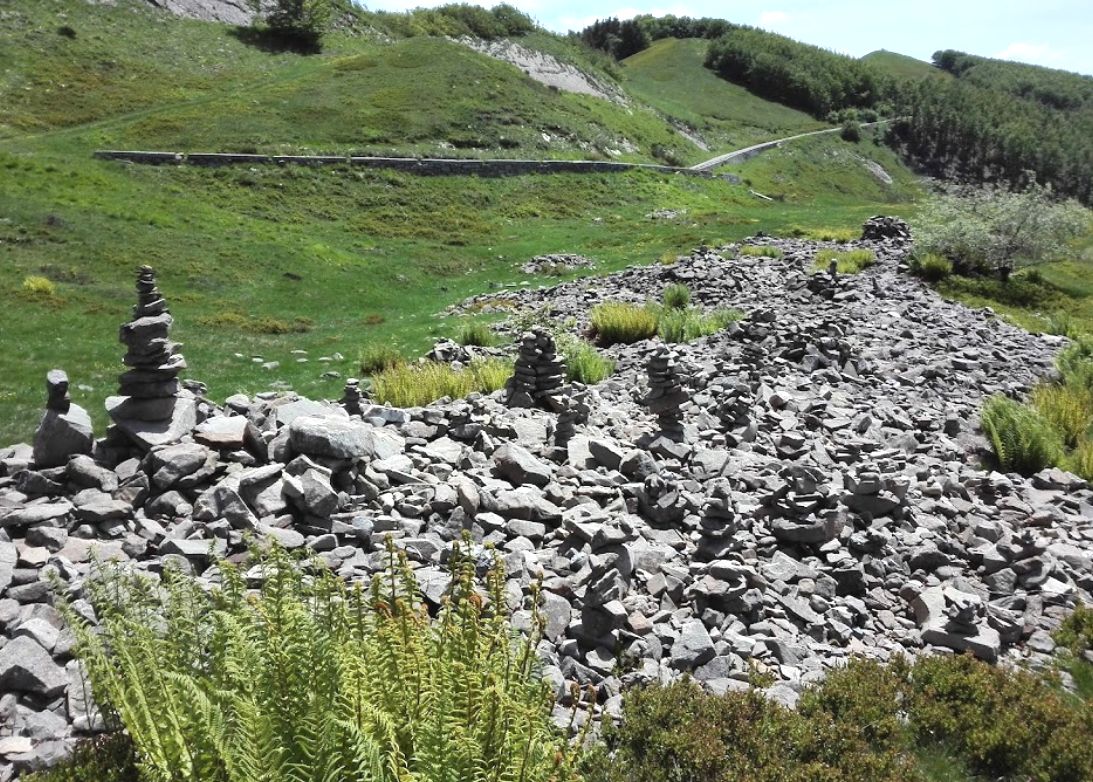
x,y
26,667
62,435
517,465
336,438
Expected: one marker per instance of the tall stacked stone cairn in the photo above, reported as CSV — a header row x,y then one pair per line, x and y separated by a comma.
x,y
65,429
539,374
351,396
151,409
666,396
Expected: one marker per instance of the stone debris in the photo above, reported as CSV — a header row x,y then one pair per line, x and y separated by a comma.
x,y
804,487
65,429
557,264
151,408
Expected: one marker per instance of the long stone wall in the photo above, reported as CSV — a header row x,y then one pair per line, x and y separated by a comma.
x,y
495,167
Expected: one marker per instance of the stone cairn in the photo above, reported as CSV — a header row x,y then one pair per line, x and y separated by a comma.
x,y
880,228
65,429
666,396
351,396
149,407
539,374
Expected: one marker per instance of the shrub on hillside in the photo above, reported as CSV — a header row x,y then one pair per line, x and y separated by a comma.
x,y
620,322
1076,632
994,231
37,287
310,678
1080,460
851,131
414,385
298,24
1005,723
1022,440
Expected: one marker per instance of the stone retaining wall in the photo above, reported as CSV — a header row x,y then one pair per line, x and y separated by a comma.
x,y
496,167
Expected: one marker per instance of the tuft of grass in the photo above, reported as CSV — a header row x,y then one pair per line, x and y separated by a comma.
x,y
932,267
377,358
1068,408
1023,440
685,325
415,385
40,289
677,296
825,233
761,251
615,322
476,333
847,261
584,364
1080,460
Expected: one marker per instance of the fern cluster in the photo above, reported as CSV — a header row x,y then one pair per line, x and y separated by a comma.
x,y
312,680
1023,440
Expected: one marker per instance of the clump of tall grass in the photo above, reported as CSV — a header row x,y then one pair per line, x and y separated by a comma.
x,y
617,322
677,296
846,261
584,364
1067,407
685,325
377,358
932,267
414,385
476,333
311,678
761,251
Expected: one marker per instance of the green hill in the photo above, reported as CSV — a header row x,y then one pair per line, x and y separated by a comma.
x,y
671,76
261,261
902,66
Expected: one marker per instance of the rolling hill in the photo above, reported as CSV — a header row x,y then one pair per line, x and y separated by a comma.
x,y
259,262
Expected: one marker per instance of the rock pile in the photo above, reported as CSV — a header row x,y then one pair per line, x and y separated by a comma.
x,y
65,429
886,229
539,373
829,500
557,264
151,408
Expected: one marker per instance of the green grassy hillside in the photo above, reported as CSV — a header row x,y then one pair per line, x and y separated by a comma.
x,y
671,76
260,262
901,66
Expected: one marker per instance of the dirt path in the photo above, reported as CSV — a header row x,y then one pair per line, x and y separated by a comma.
x,y
741,155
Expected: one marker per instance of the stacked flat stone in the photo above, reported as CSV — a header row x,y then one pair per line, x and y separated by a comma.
x,y
666,396
804,509
720,520
539,373
65,429
879,228
154,360
351,396
150,407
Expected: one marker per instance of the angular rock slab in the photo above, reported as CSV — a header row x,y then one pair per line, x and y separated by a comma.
x,y
62,435
149,434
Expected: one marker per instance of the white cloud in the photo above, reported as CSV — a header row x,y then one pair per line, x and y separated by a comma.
x,y
771,19
1030,52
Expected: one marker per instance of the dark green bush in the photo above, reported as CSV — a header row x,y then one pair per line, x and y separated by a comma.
x,y
851,131
679,733
475,333
1076,632
932,267
677,296
1006,723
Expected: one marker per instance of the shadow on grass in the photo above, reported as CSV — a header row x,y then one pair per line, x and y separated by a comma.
x,y
279,41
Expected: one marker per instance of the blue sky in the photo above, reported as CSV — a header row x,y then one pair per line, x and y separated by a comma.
x,y
1055,33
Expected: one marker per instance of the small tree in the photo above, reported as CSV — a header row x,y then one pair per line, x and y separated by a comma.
x,y
851,131
299,23
993,230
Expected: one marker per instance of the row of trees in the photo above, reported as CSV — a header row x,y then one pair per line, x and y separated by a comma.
x,y
995,121
621,39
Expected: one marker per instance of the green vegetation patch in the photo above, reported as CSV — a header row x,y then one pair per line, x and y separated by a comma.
x,y
414,385
846,261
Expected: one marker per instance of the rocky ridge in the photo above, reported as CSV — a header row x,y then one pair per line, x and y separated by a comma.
x,y
800,488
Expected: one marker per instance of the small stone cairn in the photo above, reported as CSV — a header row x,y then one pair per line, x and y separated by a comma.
x,y
65,429
880,228
539,374
351,396
151,408
666,395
